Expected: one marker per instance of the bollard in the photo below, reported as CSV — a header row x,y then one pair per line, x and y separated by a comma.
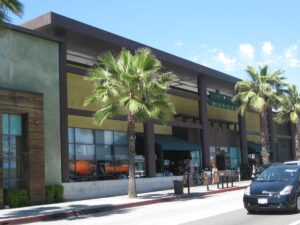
x,y
231,181
227,181
188,182
222,182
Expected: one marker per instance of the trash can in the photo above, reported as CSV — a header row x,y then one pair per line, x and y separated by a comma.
x,y
178,187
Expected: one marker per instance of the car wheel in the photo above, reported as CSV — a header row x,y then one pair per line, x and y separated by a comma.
x,y
297,207
250,211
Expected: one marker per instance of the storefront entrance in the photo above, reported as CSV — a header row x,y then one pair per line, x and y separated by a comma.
x,y
22,156
220,162
176,163
225,158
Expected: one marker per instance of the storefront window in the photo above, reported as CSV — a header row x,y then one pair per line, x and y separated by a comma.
x,y
12,150
97,154
104,137
105,165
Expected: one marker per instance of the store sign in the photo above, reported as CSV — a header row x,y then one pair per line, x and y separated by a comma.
x,y
220,100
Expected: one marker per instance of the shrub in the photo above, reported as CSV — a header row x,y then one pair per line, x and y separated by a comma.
x,y
59,193
15,197
50,194
54,193
24,197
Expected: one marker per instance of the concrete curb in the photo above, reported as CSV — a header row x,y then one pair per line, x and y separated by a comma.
x,y
98,209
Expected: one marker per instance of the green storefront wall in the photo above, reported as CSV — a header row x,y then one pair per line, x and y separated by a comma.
x,y
30,63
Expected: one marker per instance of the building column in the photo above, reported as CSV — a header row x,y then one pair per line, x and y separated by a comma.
x,y
243,139
293,130
271,133
202,103
63,93
149,149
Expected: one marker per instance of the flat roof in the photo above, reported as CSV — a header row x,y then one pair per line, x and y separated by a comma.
x,y
54,22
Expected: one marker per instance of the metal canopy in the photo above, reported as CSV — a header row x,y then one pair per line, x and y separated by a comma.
x,y
170,143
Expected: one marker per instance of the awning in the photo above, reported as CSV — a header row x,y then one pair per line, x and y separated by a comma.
x,y
255,148
170,143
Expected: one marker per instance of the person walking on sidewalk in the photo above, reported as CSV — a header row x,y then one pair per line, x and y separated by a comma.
x,y
215,175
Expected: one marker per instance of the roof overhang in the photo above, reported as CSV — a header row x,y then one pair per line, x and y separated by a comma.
x,y
83,41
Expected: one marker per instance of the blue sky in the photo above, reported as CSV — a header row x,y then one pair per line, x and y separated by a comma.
x,y
224,35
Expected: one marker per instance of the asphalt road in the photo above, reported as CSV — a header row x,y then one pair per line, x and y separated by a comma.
x,y
223,209
240,217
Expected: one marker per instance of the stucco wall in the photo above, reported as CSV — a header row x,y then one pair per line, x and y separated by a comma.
x,y
96,189
32,64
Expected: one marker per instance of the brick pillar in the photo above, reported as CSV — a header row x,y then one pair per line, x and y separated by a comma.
x,y
36,158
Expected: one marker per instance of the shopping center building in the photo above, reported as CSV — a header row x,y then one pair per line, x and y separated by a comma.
x,y
48,136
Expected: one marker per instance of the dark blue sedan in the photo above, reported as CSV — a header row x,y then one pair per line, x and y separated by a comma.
x,y
277,188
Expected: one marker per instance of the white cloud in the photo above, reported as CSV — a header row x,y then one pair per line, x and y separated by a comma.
x,y
294,63
226,61
291,51
179,43
291,56
246,51
267,48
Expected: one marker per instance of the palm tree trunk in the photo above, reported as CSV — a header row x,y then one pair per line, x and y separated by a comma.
x,y
265,142
131,155
297,141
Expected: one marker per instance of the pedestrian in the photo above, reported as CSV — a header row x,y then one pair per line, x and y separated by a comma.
x,y
215,175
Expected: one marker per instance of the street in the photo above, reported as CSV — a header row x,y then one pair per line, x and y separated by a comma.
x,y
224,208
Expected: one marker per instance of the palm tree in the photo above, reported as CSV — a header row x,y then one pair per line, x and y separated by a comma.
x,y
130,84
289,111
258,94
7,6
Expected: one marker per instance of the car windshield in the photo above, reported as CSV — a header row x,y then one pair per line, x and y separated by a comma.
x,y
282,174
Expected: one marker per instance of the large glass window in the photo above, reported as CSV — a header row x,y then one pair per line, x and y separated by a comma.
x,y
97,154
12,150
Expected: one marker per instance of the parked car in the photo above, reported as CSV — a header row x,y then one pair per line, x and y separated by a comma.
x,y
261,169
277,188
295,163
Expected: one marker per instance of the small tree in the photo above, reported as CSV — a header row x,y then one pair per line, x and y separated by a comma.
x,y
130,84
258,94
289,111
6,6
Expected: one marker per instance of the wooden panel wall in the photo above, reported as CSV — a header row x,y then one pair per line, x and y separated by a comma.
x,y
30,106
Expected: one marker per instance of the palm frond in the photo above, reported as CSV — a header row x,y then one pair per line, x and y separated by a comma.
x,y
6,6
253,74
257,104
131,84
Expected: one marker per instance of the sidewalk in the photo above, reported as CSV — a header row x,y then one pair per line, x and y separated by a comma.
x,y
76,208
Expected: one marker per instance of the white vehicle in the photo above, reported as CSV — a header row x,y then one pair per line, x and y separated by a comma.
x,y
293,163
